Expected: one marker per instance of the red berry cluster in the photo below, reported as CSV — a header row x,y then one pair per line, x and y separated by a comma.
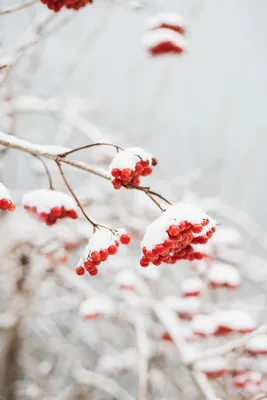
x,y
178,245
54,214
56,5
127,176
96,257
7,205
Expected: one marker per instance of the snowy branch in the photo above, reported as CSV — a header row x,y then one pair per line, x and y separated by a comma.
x,y
17,7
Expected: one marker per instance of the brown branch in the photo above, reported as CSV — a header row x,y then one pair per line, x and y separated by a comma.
x,y
87,147
46,170
74,195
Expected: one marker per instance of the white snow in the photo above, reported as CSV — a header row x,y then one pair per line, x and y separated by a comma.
x,y
191,285
221,273
156,37
227,236
100,240
204,324
188,305
45,199
257,344
128,158
157,231
211,364
4,192
167,18
237,320
127,278
97,305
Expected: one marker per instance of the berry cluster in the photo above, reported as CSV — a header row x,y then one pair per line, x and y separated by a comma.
x,y
165,34
56,5
222,275
177,228
102,244
49,205
191,287
6,203
129,165
213,368
250,380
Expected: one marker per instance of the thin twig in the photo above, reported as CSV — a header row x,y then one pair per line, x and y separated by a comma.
x,y
46,170
74,195
17,7
87,147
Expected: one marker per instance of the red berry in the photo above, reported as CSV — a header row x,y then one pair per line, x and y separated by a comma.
x,y
95,256
103,255
150,255
79,270
183,226
139,167
173,230
126,174
197,228
159,249
144,262
147,171
4,204
116,173
157,262
89,265
72,214
112,250
116,184
136,181
154,161
117,243
12,207
56,211
93,272
168,243
125,238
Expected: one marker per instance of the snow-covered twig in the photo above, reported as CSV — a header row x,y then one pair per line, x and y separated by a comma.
x,y
142,345
103,383
229,346
17,7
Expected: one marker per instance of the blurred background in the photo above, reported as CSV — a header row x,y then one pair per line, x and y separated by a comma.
x,y
84,77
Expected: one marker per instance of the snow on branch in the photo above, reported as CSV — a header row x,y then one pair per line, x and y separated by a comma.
x,y
47,151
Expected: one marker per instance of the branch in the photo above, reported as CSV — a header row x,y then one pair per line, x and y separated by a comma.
x,y
171,323
17,7
103,383
49,152
229,346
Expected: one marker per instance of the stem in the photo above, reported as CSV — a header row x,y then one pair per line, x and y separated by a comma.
x,y
154,200
47,171
87,147
17,7
74,195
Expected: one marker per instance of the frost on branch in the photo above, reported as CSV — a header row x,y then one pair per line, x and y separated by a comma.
x,y
103,243
213,368
169,20
170,237
6,202
223,275
95,307
257,346
129,165
49,205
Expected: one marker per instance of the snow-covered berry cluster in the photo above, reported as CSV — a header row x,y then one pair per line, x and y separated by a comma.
x,y
56,5
247,380
191,287
95,307
165,34
6,202
103,243
222,323
129,165
49,205
171,236
222,275
213,368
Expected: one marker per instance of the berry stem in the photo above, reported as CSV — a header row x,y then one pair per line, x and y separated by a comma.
x,y
87,147
46,170
74,196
